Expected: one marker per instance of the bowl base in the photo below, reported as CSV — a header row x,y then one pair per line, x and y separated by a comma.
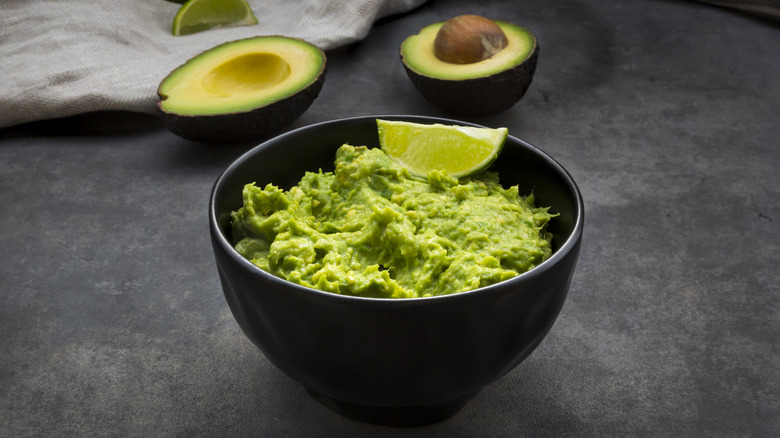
x,y
396,416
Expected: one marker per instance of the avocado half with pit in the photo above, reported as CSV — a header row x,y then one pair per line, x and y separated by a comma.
x,y
243,90
470,65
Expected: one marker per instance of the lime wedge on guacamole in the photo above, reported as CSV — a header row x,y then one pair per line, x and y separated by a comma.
x,y
457,150
199,15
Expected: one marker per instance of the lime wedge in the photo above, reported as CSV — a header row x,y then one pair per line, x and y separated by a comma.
x,y
199,15
457,150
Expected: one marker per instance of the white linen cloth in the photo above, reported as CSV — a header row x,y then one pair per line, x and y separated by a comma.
x,y
65,57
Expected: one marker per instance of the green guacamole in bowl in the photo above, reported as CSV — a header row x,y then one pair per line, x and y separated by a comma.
x,y
371,229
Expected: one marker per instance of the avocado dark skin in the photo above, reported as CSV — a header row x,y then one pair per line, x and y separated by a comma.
x,y
246,126
478,96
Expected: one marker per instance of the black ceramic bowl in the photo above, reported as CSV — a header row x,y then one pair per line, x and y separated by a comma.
x,y
393,361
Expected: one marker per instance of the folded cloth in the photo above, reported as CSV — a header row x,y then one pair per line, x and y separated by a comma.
x,y
65,57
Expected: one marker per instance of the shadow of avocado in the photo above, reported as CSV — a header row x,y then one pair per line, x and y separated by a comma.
x,y
576,51
98,123
576,47
214,157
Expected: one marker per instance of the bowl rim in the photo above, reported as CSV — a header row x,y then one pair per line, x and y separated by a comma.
x,y
219,238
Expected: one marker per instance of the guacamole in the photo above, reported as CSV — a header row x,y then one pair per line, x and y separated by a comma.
x,y
371,229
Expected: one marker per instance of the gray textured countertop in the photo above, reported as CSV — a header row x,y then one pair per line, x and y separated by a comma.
x,y
666,113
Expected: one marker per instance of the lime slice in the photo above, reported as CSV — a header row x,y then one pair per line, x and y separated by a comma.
x,y
199,15
457,150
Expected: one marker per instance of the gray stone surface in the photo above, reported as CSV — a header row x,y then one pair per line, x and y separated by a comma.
x,y
112,320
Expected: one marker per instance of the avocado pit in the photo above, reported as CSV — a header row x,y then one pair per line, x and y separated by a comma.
x,y
467,39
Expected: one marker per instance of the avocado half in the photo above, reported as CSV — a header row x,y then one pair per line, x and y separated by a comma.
x,y
480,88
242,90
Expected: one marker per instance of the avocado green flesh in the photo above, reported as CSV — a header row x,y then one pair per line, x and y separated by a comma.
x,y
370,229
417,54
240,76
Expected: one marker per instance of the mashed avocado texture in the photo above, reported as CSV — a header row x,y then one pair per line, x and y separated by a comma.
x,y
371,229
